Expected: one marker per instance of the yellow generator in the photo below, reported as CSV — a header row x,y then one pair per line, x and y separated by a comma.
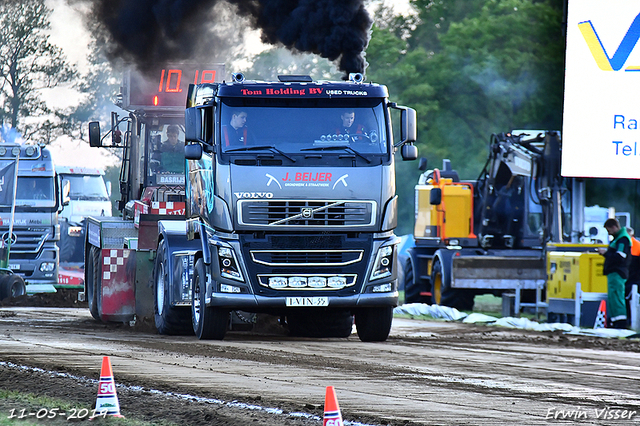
x,y
431,219
575,284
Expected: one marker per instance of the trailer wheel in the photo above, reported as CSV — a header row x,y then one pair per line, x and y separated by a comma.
x,y
209,322
12,286
93,281
442,292
374,324
168,319
320,322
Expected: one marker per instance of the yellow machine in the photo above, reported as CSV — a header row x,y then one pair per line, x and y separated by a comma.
x,y
456,199
575,284
568,268
489,235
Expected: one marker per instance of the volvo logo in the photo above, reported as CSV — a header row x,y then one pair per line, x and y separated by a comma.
x,y
307,212
7,240
241,195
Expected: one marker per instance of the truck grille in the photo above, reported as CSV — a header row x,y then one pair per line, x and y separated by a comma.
x,y
292,213
306,257
28,242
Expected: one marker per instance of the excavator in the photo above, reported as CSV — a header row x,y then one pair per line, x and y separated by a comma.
x,y
489,235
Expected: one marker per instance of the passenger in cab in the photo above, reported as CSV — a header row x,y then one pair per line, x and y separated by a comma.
x,y
236,133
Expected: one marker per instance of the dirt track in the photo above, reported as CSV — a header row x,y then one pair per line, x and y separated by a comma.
x,y
427,373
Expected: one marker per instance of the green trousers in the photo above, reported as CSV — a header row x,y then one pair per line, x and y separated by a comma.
x,y
616,308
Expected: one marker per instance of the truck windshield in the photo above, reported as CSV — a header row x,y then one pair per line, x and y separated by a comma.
x,y
294,127
35,191
87,187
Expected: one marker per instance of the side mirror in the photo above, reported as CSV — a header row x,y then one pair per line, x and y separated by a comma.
x,y
109,188
435,196
409,152
193,151
94,134
66,190
193,125
408,127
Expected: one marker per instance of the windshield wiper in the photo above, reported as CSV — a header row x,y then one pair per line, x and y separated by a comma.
x,y
262,147
335,147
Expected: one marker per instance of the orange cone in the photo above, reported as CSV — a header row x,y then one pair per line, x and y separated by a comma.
x,y
601,317
107,398
332,416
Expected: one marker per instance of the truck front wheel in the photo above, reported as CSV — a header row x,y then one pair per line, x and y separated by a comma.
x,y
374,324
169,319
208,322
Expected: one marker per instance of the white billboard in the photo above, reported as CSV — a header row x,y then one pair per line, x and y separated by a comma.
x,y
601,133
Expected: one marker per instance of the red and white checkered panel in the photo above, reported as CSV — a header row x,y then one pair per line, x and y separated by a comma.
x,y
167,207
138,209
118,280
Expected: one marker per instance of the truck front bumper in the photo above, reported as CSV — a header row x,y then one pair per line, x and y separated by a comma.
x,y
251,302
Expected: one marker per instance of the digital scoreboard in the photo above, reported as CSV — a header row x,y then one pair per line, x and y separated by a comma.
x,y
166,85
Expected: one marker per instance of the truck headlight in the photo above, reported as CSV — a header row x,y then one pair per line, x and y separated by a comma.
x,y
47,266
228,264
382,265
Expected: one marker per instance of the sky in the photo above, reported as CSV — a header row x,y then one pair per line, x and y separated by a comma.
x,y
69,33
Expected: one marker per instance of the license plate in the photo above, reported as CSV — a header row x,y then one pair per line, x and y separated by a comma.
x,y
307,301
14,267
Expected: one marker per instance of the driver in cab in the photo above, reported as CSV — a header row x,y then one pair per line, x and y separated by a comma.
x,y
347,127
170,156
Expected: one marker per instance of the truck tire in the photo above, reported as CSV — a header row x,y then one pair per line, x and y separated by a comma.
x,y
93,281
169,319
12,286
66,243
320,323
442,292
374,324
209,322
413,289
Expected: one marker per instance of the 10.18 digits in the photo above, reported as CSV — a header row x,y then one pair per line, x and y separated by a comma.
x,y
52,413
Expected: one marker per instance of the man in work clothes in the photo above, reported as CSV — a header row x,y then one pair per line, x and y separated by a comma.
x,y
634,269
616,267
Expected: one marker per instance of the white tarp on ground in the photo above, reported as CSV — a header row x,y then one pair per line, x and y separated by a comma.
x,y
452,314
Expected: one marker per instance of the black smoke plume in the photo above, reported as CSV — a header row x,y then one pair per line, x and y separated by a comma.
x,y
162,31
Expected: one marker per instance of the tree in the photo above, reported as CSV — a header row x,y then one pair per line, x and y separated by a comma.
x,y
470,68
28,64
99,86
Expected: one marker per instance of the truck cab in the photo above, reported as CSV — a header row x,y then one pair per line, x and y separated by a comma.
x,y
291,192
29,223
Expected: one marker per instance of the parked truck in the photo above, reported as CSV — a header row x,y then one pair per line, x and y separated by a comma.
x,y
489,235
88,196
29,227
293,218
